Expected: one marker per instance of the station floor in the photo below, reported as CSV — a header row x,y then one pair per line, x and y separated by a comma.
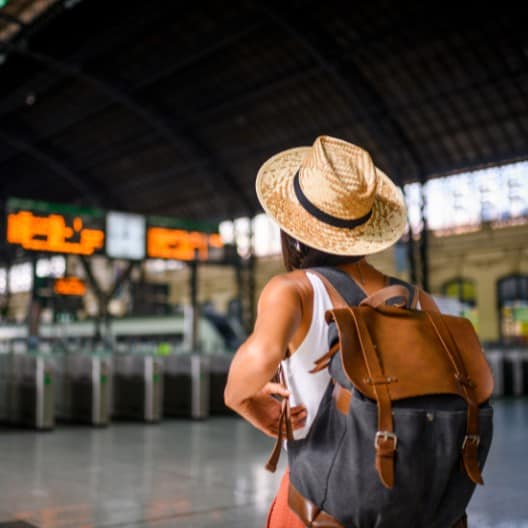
x,y
199,475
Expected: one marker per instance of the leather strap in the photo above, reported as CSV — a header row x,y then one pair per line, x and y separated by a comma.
x,y
310,514
386,294
472,438
323,362
284,422
427,303
385,441
414,301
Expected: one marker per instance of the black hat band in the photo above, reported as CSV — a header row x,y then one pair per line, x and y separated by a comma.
x,y
334,221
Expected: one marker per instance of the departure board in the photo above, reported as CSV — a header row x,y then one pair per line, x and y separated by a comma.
x,y
69,286
168,238
56,228
65,229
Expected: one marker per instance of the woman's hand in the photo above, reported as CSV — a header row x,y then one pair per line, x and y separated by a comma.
x,y
263,410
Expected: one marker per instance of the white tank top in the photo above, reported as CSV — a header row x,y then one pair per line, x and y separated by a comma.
x,y
305,388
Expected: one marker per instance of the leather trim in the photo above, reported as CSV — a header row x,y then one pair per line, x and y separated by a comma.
x,y
386,294
284,423
323,362
342,398
471,442
427,303
416,333
310,514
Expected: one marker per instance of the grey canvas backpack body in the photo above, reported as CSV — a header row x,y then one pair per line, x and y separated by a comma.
x,y
374,456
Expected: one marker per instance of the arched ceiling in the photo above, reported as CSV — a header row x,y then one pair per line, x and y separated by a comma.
x,y
170,108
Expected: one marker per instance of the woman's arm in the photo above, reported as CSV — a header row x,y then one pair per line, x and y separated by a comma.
x,y
248,390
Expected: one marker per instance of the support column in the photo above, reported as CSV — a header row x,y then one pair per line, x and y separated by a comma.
x,y
200,380
411,257
424,240
194,307
35,309
411,248
103,298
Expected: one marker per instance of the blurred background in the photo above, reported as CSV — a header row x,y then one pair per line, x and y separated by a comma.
x,y
133,248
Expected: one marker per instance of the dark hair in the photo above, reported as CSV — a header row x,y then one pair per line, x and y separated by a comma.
x,y
297,255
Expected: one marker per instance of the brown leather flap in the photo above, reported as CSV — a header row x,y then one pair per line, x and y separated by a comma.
x,y
411,346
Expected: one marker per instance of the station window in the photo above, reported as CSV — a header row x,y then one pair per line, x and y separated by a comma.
x,y
464,292
513,308
497,196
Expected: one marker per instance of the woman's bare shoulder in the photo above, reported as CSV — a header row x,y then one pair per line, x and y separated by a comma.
x,y
286,286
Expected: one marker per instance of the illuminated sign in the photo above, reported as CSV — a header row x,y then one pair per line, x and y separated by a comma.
x,y
38,226
178,244
125,236
170,238
69,286
59,228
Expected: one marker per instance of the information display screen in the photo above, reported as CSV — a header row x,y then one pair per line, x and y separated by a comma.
x,y
40,226
168,238
125,236
56,228
69,286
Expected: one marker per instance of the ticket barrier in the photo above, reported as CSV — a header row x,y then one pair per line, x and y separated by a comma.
x,y
27,390
137,387
186,386
510,371
82,388
218,368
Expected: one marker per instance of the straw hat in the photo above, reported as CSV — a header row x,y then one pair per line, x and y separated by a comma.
x,y
331,197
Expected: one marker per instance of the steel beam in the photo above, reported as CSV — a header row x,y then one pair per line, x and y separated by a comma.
x,y
10,19
348,78
174,133
45,157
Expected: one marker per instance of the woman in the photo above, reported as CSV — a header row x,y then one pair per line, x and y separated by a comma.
x,y
333,206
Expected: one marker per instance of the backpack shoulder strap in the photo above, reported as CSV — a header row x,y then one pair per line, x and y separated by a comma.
x,y
341,287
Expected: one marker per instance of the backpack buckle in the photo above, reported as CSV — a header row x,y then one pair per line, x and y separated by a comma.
x,y
471,438
385,435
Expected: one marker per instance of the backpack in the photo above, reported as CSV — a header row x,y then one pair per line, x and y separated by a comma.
x,y
404,428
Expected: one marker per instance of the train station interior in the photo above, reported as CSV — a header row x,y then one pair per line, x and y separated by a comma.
x,y
133,247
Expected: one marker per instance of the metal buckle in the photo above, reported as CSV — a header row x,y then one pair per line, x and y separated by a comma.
x,y
471,438
385,435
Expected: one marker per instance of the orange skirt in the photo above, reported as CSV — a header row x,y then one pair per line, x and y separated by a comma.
x,y
280,515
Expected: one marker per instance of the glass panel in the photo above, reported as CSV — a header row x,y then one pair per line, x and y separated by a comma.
x,y
451,206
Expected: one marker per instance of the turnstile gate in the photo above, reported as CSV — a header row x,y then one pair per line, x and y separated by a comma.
x,y
26,390
218,368
186,386
510,371
82,390
138,387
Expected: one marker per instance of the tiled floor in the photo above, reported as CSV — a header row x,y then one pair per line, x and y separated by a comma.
x,y
199,475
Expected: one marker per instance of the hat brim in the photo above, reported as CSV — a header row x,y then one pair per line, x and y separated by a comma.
x,y
276,194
